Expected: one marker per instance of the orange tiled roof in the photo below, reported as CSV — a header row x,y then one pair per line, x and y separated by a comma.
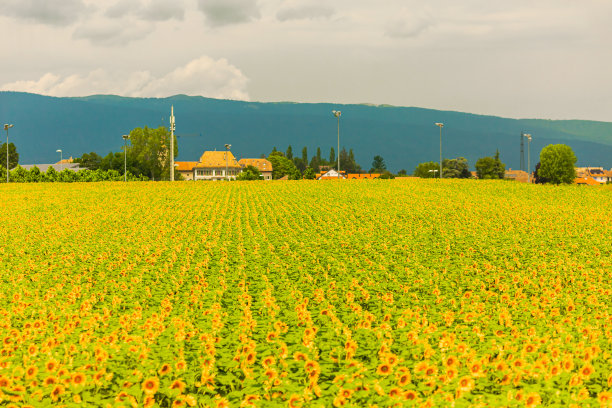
x,y
185,166
65,161
590,181
363,176
261,164
217,159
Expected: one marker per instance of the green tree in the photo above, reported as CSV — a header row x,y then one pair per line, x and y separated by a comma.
x,y
309,174
281,166
427,170
300,164
378,165
91,161
319,154
13,156
332,157
18,175
490,168
305,155
149,148
557,164
456,168
289,153
402,173
249,173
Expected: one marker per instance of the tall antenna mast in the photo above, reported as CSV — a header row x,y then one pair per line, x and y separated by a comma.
x,y
172,127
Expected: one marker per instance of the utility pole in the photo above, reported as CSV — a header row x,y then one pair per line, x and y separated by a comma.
x,y
522,151
172,128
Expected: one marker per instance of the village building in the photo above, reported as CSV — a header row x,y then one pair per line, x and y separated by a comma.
x,y
263,165
213,166
596,173
333,175
185,169
517,175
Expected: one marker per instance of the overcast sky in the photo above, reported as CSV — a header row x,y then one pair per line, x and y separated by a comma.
x,y
517,58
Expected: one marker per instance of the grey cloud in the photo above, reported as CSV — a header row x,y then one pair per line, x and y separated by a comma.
x,y
225,12
122,8
110,34
153,10
305,12
162,10
408,26
58,13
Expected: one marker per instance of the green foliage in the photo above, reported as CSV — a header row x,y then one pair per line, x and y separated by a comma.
x,y
91,161
456,168
13,155
378,165
34,175
490,168
427,170
310,174
289,153
149,150
557,164
249,173
332,157
386,175
402,173
282,166
347,162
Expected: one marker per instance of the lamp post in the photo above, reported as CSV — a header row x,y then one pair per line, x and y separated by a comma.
x,y
337,115
125,139
61,159
434,171
7,127
528,136
440,125
227,148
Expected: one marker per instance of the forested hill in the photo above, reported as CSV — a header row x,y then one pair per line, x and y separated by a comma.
x,y
403,136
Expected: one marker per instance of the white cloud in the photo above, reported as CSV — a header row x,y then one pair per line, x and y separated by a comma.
x,y
60,13
204,76
225,12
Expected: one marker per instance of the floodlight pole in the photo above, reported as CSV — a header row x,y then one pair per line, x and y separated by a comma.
x,y
227,148
125,139
61,159
7,127
440,125
337,115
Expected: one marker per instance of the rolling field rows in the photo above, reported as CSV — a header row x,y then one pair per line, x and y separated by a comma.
x,y
376,293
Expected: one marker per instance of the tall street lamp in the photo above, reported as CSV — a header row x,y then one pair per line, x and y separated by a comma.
x,y
227,148
125,139
337,115
528,136
61,159
7,127
440,125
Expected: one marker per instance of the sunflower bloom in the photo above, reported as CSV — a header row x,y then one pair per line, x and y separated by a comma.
x,y
150,385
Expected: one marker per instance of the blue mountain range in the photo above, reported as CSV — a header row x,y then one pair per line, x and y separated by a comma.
x,y
403,136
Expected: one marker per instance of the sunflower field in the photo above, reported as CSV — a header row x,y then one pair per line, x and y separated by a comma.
x,y
305,294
